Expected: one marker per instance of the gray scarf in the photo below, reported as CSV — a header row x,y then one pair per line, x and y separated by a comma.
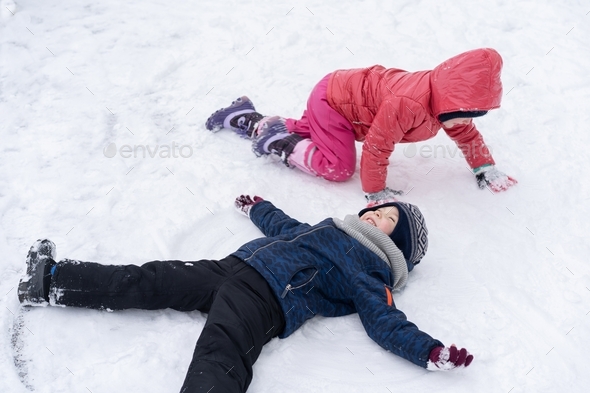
x,y
378,242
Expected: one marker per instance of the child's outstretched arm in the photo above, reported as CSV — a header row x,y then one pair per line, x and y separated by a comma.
x,y
470,141
390,328
395,117
478,156
269,219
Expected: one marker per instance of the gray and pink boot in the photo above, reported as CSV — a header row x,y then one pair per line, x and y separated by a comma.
x,y
273,137
241,117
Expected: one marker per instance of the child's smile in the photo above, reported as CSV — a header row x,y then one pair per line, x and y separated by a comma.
x,y
384,218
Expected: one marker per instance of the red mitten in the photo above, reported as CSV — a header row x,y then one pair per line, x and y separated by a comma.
x,y
448,358
244,203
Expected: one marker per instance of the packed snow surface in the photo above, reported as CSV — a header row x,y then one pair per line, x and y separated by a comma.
x,y
103,149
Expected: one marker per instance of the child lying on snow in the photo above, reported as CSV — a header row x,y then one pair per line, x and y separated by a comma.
x,y
381,108
267,288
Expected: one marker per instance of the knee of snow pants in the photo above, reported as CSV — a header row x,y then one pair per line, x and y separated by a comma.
x,y
180,285
332,153
244,316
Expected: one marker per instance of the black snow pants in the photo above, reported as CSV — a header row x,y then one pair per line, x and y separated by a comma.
x,y
243,311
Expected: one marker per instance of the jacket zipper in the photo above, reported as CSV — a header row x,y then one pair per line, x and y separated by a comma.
x,y
289,287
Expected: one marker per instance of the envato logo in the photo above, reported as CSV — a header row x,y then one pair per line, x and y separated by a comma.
x,y
444,151
146,151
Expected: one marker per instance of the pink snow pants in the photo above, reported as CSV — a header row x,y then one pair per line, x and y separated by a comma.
x,y
329,150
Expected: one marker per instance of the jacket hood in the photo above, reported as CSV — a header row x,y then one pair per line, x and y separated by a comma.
x,y
469,81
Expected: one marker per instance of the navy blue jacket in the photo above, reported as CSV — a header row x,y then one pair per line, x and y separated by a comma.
x,y
320,270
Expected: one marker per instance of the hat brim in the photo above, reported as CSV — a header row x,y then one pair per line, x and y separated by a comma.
x,y
372,209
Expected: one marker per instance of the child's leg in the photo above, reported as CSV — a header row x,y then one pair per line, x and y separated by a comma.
x,y
331,153
183,286
244,316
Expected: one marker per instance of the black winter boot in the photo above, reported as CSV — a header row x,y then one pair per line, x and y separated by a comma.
x,y
33,288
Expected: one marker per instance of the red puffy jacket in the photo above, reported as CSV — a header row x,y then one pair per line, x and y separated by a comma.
x,y
390,106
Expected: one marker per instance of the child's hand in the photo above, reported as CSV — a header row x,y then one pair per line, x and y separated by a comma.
x,y
384,196
244,203
448,358
490,176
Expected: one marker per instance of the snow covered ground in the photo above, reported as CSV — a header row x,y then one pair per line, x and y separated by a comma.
x,y
506,275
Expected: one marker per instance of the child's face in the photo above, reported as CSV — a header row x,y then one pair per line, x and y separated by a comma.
x,y
384,218
453,122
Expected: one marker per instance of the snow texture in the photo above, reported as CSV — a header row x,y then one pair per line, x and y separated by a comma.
x,y
104,150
